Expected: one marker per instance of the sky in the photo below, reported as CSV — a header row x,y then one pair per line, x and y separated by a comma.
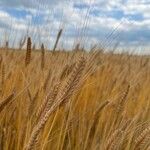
x,y
106,23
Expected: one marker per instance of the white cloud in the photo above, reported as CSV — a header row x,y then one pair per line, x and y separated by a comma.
x,y
62,13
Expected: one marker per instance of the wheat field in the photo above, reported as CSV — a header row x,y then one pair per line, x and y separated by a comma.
x,y
74,100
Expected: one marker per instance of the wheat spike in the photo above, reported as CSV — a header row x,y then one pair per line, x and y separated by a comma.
x,y
65,94
47,102
3,74
141,137
4,103
47,80
111,140
57,39
28,52
7,45
77,47
42,56
66,71
122,100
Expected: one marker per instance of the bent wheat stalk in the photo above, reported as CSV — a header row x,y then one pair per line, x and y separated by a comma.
x,y
62,97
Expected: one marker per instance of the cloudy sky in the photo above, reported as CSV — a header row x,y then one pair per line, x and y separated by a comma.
x,y
108,23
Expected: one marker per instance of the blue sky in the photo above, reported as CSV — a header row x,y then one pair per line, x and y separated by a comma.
x,y
86,21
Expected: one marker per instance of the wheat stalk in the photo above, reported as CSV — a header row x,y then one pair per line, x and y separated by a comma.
x,y
94,124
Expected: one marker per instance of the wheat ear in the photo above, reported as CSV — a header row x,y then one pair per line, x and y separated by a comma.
x,y
28,52
141,137
66,92
120,106
47,80
42,56
111,140
57,39
47,102
3,74
4,103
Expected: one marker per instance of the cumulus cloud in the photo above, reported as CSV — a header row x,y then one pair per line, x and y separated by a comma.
x,y
83,20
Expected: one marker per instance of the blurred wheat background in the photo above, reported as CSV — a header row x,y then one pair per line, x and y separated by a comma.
x,y
74,100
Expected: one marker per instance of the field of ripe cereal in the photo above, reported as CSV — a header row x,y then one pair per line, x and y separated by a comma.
x,y
74,100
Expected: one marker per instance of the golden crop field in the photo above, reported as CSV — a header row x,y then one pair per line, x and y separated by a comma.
x,y
74,100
